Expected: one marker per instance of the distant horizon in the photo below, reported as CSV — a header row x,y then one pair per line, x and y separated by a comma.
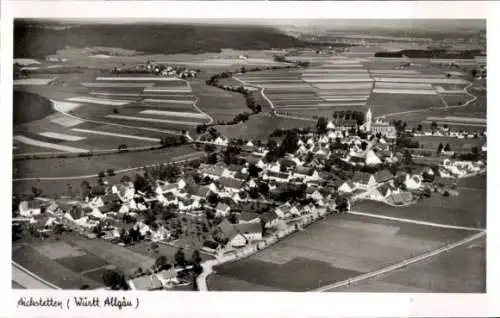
x,y
340,24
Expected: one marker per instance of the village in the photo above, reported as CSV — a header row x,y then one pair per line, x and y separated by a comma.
x,y
244,195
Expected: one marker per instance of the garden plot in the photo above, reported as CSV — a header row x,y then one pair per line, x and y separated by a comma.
x,y
99,101
32,81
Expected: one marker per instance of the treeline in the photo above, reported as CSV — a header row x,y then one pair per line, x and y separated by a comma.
x,y
34,39
436,53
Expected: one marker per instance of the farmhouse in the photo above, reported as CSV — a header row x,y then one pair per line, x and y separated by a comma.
x,y
29,208
364,180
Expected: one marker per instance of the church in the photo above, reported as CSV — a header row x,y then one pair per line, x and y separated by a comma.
x,y
384,128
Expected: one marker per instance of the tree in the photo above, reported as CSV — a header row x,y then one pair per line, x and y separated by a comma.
x,y
321,125
434,125
195,257
180,258
253,170
85,188
114,279
161,262
342,204
447,147
419,128
213,198
407,158
440,148
101,174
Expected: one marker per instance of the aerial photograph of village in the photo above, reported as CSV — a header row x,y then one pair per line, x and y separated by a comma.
x,y
249,155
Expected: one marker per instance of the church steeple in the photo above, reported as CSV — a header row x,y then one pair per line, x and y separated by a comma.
x,y
368,120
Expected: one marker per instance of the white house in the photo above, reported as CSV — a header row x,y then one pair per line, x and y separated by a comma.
x,y
222,210
363,180
347,187
168,277
249,144
283,210
29,208
413,182
371,159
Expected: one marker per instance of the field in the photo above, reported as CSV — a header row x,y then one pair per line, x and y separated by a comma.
x,y
439,274
332,250
430,142
165,250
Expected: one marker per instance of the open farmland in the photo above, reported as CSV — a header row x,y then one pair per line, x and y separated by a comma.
x,y
344,246
144,104
461,270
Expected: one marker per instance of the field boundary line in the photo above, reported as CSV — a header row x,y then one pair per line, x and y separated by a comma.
x,y
401,264
43,281
198,155
195,105
404,220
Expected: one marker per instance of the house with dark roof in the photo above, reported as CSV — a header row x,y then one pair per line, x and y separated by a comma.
x,y
211,246
249,217
251,231
231,184
383,176
241,175
283,210
364,180
278,176
269,218
110,198
213,171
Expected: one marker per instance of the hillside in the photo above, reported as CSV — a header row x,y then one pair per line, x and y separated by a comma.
x,y
38,40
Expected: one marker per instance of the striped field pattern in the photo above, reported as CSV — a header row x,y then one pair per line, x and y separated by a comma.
x,y
60,136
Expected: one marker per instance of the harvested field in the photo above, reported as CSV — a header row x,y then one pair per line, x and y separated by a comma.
x,y
138,79
82,263
104,133
403,85
174,114
157,89
436,80
431,142
164,101
332,250
118,85
216,282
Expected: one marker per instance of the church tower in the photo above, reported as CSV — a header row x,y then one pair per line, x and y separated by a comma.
x,y
368,120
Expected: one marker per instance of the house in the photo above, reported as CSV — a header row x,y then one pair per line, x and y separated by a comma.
x,y
283,210
364,180
160,234
249,217
198,192
278,176
381,193
168,277
231,184
222,210
210,246
251,231
413,182
146,282
383,176
347,187
54,209
110,198
249,144
30,208
316,195
75,214
269,219
241,175
213,171
96,213
371,159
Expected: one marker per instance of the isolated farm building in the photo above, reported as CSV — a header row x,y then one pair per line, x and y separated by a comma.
x,y
248,217
364,180
250,231
231,184
383,176
146,282
222,210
